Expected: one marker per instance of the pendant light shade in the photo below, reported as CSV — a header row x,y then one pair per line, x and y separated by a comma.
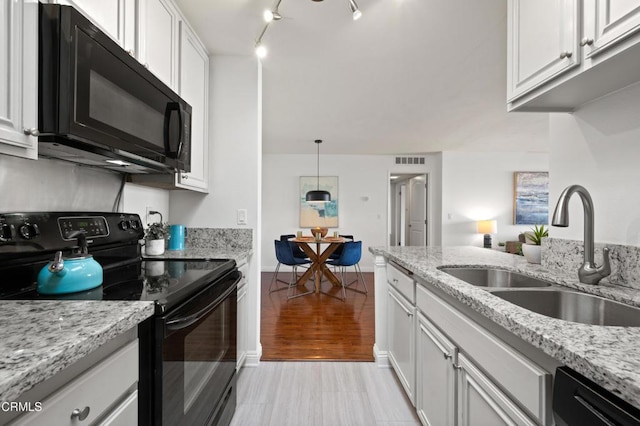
x,y
316,195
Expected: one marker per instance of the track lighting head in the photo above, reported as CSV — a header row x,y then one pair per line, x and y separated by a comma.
x,y
355,10
269,16
261,51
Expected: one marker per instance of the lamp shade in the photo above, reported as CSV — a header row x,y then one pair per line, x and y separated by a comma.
x,y
317,196
487,226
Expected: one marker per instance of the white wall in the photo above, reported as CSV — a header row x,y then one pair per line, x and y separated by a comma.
x,y
48,185
138,198
235,149
598,147
479,185
363,188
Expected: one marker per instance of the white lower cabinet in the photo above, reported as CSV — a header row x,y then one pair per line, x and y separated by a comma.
x,y
242,312
458,368
435,375
481,402
105,394
401,331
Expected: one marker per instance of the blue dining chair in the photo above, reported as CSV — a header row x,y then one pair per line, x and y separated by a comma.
x,y
350,256
297,251
336,254
284,255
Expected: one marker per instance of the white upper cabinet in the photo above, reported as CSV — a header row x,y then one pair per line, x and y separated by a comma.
x,y
158,25
614,21
543,41
116,18
565,53
194,88
19,78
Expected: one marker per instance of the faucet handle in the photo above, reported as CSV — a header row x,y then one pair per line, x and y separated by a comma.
x,y
605,269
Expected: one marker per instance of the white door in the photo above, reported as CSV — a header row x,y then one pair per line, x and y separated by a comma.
x,y
418,211
403,215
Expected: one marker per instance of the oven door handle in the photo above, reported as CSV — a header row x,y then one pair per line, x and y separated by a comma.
x,y
184,322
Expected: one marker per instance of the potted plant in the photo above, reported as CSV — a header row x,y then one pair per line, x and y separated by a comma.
x,y
531,249
154,236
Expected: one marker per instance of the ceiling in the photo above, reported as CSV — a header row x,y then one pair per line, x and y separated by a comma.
x,y
411,76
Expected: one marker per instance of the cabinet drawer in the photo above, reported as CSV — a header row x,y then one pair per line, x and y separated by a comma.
x,y
98,389
525,381
402,282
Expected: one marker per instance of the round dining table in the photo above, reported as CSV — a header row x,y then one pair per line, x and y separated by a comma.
x,y
318,258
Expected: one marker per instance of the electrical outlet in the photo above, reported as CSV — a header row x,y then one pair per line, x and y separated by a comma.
x,y
242,216
146,216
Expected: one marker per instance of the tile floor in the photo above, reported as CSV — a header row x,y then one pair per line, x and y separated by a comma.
x,y
321,393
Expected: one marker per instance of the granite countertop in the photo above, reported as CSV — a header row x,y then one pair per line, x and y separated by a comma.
x,y
203,253
609,356
40,338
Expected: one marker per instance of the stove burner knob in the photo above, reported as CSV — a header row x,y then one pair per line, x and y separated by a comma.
x,y
134,224
7,232
124,225
29,231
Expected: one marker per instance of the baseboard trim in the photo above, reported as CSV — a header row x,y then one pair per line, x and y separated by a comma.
x,y
253,358
381,357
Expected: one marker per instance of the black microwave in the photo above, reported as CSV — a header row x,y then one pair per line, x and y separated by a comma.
x,y
99,106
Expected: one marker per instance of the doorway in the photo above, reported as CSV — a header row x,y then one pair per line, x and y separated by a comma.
x,y
408,200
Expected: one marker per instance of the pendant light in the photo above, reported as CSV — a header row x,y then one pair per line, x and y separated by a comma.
x,y
316,195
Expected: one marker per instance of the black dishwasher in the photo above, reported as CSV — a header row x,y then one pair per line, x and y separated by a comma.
x,y
577,401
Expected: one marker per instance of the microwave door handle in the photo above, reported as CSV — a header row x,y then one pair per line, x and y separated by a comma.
x,y
189,320
168,112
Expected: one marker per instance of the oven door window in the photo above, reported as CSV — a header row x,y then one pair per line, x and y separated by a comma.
x,y
198,355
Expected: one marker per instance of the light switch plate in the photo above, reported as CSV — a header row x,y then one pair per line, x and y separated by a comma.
x,y
242,216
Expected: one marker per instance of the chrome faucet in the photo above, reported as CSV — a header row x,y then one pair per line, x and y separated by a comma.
x,y
588,273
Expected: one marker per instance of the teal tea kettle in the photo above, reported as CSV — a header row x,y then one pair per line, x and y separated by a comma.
x,y
77,272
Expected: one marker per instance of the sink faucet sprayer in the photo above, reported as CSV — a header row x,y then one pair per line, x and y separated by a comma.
x,y
588,273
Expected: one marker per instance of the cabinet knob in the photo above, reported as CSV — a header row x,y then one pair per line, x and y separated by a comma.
x,y
185,176
130,52
146,65
446,355
80,414
586,42
31,132
566,54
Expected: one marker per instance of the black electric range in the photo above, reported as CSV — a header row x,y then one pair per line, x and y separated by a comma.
x,y
192,336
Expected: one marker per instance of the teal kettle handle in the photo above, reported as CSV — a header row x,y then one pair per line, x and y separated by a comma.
x,y
57,266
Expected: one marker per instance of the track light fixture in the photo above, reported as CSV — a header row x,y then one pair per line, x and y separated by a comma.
x,y
317,195
355,10
274,15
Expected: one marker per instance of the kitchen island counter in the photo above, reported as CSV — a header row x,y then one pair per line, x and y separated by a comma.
x,y
40,338
609,356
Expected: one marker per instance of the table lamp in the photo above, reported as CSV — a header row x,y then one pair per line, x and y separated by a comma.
x,y
487,227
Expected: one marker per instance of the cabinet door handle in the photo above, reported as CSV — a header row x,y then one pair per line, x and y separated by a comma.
x,y
565,54
31,132
80,414
456,367
446,355
586,42
185,176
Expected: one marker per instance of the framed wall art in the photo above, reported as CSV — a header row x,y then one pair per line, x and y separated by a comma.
x,y
319,214
531,198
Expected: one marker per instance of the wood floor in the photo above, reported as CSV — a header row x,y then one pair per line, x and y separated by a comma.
x,y
321,393
317,326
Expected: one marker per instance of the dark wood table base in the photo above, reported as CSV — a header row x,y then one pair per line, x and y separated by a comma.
x,y
318,267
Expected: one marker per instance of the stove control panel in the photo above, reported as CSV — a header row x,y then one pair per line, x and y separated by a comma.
x,y
91,226
37,231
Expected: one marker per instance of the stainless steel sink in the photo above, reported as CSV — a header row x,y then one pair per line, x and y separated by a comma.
x,y
488,277
573,306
